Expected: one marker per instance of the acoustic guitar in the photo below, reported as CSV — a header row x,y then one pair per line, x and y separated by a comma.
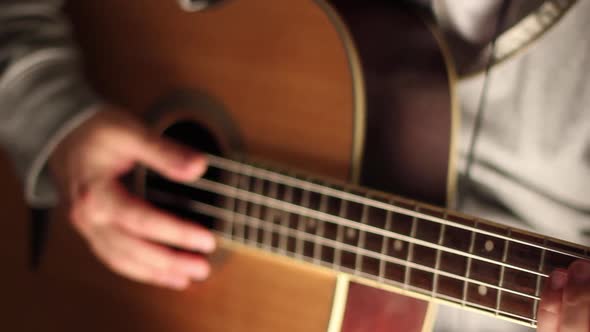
x,y
302,106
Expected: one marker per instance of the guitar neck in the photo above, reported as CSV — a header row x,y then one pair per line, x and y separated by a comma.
x,y
423,249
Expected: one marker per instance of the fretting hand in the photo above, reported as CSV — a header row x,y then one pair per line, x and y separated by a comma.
x,y
565,301
125,232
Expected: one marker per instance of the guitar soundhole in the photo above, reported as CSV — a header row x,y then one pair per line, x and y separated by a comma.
x,y
179,198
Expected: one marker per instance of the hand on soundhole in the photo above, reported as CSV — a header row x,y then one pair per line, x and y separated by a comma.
x,y
565,301
125,232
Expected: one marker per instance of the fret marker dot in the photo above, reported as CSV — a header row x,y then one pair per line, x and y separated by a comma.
x,y
489,245
350,233
482,290
398,245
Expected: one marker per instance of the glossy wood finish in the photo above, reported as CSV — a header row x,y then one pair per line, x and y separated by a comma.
x,y
400,313
408,97
271,66
279,70
408,136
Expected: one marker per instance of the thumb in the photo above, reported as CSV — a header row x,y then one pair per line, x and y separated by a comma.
x,y
173,160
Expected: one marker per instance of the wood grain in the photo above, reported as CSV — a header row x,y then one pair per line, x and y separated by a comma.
x,y
275,68
281,72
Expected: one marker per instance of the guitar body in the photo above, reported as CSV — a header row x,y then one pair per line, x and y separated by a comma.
x,y
355,91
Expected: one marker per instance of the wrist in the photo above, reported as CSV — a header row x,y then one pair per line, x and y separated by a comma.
x,y
55,153
40,183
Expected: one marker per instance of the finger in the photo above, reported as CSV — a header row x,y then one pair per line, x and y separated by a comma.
x,y
171,159
575,309
548,317
158,257
140,219
578,287
121,262
111,203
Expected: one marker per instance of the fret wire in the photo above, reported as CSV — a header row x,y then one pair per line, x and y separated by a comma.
x,y
230,203
269,213
468,268
398,284
222,213
255,210
358,262
231,165
301,223
283,239
410,255
490,310
437,260
384,245
501,312
538,283
242,205
501,281
441,296
410,287
340,234
222,189
353,249
317,248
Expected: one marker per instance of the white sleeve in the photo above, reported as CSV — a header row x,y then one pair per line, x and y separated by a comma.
x,y
473,21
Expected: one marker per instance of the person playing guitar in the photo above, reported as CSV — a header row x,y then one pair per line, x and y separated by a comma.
x,y
69,145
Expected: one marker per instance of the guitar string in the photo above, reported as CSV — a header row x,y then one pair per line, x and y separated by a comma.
x,y
257,198
389,281
315,238
236,217
272,176
235,192
279,229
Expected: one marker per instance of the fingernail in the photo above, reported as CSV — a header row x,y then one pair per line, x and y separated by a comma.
x,y
186,158
580,272
198,272
198,166
204,243
192,162
558,280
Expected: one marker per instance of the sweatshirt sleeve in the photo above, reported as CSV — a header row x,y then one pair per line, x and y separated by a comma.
x,y
42,92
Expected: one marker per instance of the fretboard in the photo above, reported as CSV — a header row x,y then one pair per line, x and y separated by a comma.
x,y
394,241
